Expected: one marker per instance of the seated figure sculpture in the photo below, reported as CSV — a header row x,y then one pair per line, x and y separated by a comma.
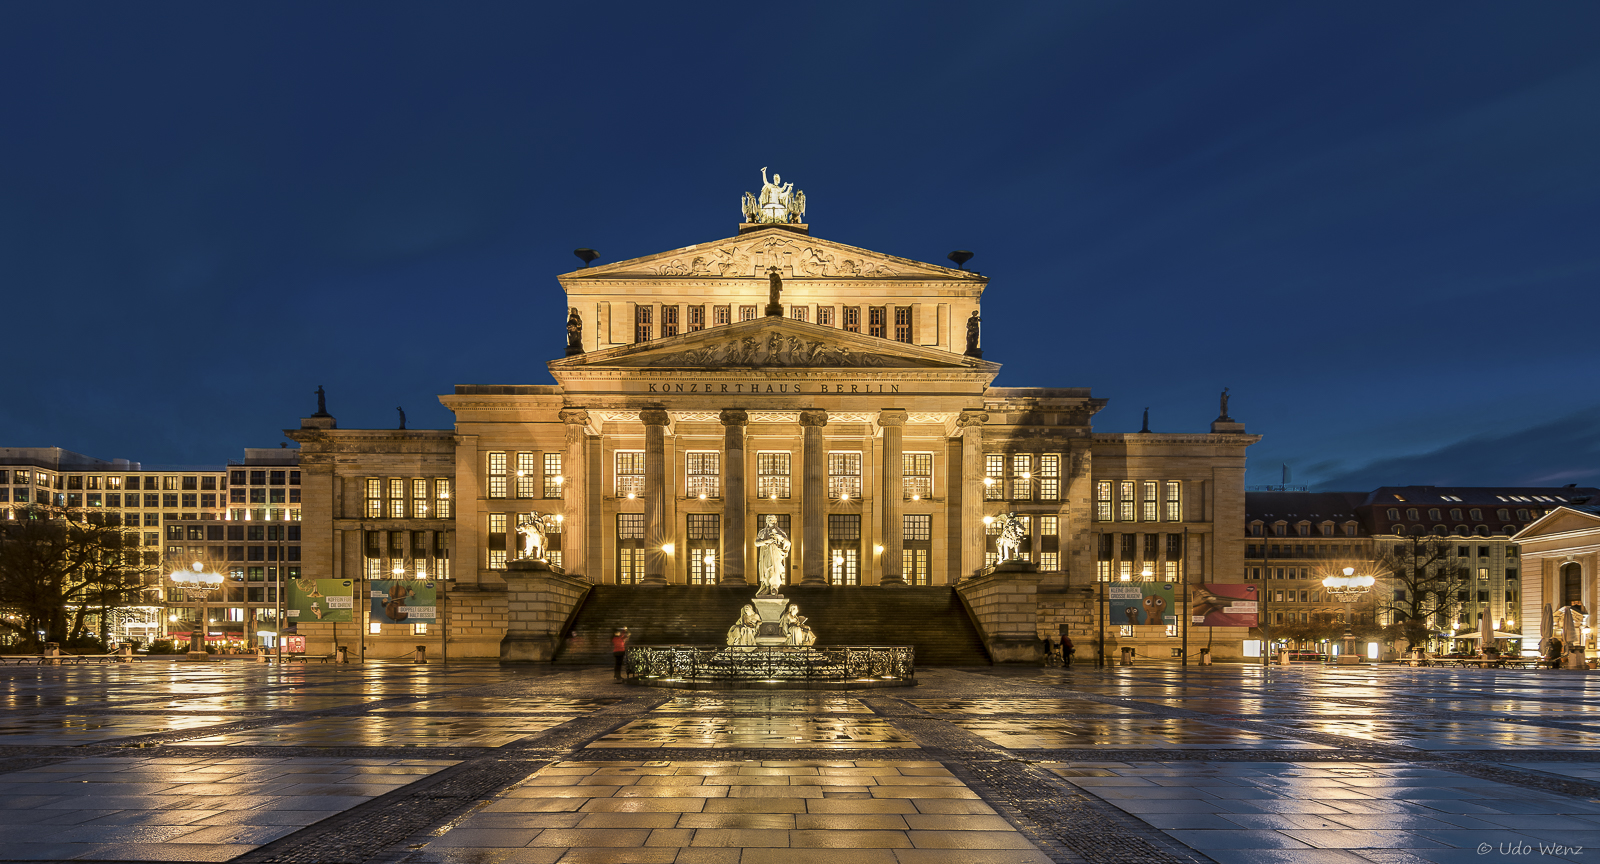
x,y
795,630
743,632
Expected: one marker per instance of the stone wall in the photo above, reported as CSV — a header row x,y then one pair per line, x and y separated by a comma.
x,y
538,603
1004,606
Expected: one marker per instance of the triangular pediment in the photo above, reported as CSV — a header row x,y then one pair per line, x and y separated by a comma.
x,y
773,342
750,255
1562,520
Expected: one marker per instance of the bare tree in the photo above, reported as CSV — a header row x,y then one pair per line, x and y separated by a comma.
x,y
58,566
1421,590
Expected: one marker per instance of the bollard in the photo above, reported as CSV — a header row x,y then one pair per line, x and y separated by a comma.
x,y
261,655
1283,658
341,654
125,652
52,650
421,655
1127,657
1205,656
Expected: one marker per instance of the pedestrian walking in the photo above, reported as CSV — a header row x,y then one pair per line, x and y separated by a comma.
x,y
1066,648
619,647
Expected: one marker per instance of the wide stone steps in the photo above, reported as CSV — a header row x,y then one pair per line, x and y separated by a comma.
x,y
931,619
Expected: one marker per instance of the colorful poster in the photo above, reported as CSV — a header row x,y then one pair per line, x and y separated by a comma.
x,y
1142,603
396,601
1224,605
313,600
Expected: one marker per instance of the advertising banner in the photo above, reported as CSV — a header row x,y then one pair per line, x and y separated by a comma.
x,y
1224,605
395,601
312,600
1142,603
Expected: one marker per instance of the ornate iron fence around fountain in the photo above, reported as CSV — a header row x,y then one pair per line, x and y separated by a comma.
x,y
719,663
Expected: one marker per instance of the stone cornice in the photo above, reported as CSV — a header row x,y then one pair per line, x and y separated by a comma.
x,y
1174,438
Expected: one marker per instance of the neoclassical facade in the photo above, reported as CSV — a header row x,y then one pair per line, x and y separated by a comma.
x,y
842,394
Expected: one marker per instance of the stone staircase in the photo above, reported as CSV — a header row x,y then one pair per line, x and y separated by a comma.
x,y
931,619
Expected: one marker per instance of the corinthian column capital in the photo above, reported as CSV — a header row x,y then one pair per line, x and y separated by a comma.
x,y
575,416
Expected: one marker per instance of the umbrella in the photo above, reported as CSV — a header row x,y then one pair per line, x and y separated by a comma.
x,y
1569,628
1485,632
1544,630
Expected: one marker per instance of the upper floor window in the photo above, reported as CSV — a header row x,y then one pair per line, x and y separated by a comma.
x,y
917,475
1050,477
1150,512
852,319
441,498
704,474
1022,476
800,313
527,474
374,499
747,313
994,476
1102,500
497,474
419,499
1394,513
397,498
697,318
721,315
1174,501
643,326
876,325
844,476
825,316
553,481
669,321
630,473
772,474
902,324
1125,501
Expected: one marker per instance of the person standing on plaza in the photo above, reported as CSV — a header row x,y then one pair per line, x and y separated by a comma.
x,y
619,647
1067,649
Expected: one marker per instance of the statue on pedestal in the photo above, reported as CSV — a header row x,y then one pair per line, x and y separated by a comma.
x,y
778,202
772,558
531,529
574,332
1224,415
322,403
774,294
1012,533
743,632
974,325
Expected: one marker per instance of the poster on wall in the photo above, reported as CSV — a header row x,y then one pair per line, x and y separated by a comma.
x,y
398,601
1142,603
313,600
1224,605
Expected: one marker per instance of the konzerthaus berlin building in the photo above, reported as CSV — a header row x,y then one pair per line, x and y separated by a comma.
x,y
774,374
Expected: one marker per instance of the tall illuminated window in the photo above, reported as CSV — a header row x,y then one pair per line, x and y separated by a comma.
x,y
1022,476
902,324
844,475
630,548
844,549
1102,500
441,498
553,480
397,498
1125,502
1050,477
643,325
419,499
1050,543
374,499
994,476
772,474
704,547
1174,501
630,472
527,474
917,549
497,475
917,475
703,473
497,541
1149,510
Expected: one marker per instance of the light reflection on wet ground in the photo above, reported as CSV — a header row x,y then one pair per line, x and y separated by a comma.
x,y
795,731
389,731
1143,734
1020,706
763,703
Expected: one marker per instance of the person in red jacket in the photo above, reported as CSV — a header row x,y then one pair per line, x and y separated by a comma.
x,y
619,647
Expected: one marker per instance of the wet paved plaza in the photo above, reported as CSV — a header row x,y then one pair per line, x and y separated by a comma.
x,y
170,761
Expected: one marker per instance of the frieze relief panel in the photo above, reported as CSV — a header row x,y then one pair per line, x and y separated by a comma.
x,y
775,350
795,258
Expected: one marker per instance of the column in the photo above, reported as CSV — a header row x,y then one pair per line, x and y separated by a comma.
x,y
892,421
655,496
575,494
814,500
733,502
970,424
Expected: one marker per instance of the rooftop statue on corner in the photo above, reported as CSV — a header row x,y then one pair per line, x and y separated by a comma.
x,y
1224,415
322,403
574,332
777,204
974,333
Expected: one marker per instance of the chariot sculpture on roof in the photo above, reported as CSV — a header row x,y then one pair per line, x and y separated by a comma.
x,y
778,202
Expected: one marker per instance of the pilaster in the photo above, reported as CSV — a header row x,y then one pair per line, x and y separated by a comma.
x,y
970,427
575,494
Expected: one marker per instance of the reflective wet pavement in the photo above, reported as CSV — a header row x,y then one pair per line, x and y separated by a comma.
x,y
475,763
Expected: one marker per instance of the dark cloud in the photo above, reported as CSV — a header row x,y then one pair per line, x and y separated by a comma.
x,y
1550,454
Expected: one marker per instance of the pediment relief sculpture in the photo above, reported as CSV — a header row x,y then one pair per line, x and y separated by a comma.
x,y
775,349
792,257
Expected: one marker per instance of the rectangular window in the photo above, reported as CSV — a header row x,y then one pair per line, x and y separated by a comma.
x,y
630,548
497,541
630,473
374,508
852,319
527,474
747,313
876,325
397,498
441,499
419,499
917,475
704,474
1174,505
772,475
1050,543
1022,477
1050,477
553,481
1149,511
697,318
497,475
669,321
844,476
419,628
902,324
1102,500
800,313
825,316
844,549
643,327
994,476
705,541
1125,501
917,551
721,315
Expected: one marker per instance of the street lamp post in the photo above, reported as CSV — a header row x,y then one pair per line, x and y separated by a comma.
x,y
1347,587
197,582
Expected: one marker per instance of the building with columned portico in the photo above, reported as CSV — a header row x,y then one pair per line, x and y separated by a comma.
x,y
842,392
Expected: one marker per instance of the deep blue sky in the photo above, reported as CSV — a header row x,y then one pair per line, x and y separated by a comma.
x,y
1376,222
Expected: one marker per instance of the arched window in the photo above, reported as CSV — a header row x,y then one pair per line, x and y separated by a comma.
x,y
1433,513
1394,513
1511,529
1503,514
1411,513
1523,515
1571,584
1461,530
1399,529
1440,530
1477,515
1483,531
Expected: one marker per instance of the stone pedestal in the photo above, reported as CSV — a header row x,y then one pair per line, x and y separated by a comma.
x,y
538,602
1004,606
771,611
